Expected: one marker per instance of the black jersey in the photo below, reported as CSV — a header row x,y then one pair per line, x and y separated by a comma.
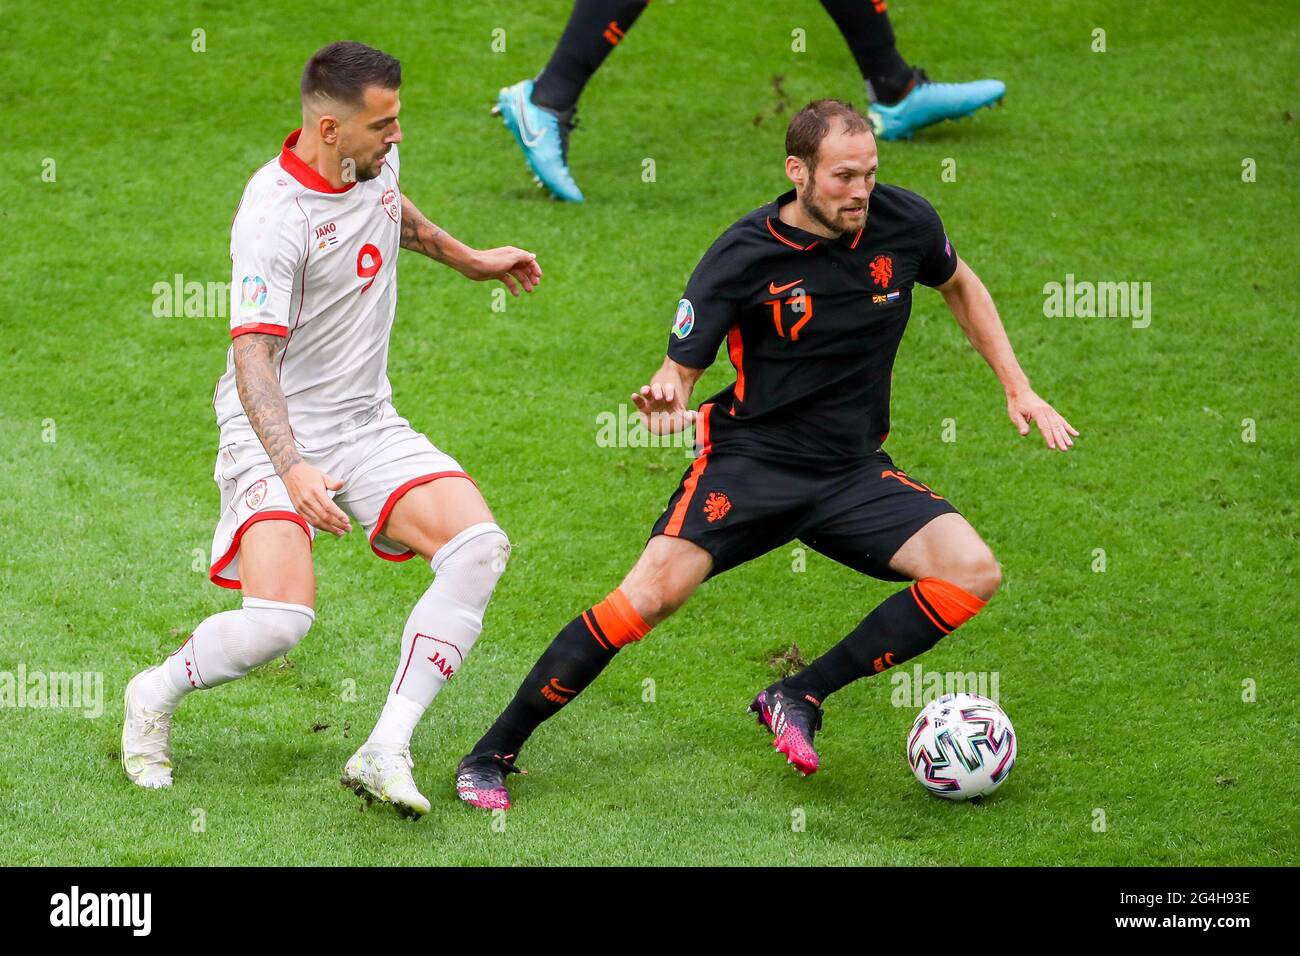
x,y
812,326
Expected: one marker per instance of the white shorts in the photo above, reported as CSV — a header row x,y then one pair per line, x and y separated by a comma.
x,y
378,462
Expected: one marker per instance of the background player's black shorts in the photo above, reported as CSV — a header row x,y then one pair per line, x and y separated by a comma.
x,y
738,508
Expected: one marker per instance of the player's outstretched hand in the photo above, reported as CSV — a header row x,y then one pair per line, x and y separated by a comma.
x,y
1028,407
515,267
661,408
309,491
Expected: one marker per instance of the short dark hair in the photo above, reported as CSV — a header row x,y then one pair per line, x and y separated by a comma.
x,y
808,127
343,70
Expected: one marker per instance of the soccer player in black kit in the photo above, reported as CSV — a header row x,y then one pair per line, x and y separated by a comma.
x,y
811,293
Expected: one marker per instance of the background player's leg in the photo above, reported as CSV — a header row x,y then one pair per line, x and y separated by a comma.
x,y
595,27
955,575
540,114
279,596
447,523
667,573
866,28
902,98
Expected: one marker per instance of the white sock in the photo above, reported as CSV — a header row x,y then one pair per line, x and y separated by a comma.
x,y
443,626
224,647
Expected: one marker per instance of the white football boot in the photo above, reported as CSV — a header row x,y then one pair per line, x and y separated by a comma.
x,y
146,741
376,773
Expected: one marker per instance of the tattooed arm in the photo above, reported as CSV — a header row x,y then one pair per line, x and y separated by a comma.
x,y
515,267
268,413
263,401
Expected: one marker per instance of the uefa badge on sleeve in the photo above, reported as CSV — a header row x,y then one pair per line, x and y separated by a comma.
x,y
684,320
252,293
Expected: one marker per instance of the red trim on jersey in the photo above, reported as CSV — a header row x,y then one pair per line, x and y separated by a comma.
x,y
780,238
854,243
736,352
300,171
233,583
263,328
396,496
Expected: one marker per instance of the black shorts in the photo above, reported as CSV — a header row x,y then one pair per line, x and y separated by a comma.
x,y
739,508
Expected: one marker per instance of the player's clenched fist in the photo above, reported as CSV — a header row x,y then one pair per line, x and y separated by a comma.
x,y
309,490
662,408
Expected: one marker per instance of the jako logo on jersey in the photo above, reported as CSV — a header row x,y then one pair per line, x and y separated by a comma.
x,y
882,270
684,321
326,235
252,293
391,206
716,506
254,496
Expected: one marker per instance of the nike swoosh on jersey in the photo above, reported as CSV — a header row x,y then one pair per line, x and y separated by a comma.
x,y
775,289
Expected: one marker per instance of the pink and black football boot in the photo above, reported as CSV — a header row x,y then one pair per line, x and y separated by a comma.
x,y
793,719
481,780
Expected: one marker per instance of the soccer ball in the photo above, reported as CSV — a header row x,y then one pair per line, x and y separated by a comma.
x,y
961,746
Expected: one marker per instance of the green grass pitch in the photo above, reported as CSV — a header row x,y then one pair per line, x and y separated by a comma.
x,y
1155,700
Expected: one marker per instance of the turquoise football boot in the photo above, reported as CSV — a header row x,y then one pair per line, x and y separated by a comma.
x,y
928,103
543,135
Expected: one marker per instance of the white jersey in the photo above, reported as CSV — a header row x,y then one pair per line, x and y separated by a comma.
x,y
317,265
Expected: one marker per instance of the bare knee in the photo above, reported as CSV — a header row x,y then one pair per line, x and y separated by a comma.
x,y
275,563
665,577
977,571
655,597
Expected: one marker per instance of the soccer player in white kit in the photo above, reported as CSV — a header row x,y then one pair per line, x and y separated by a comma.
x,y
309,436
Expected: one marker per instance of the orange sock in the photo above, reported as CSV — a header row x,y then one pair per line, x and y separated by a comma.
x,y
946,604
615,622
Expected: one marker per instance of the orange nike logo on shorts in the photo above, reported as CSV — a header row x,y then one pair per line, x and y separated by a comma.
x,y
775,289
